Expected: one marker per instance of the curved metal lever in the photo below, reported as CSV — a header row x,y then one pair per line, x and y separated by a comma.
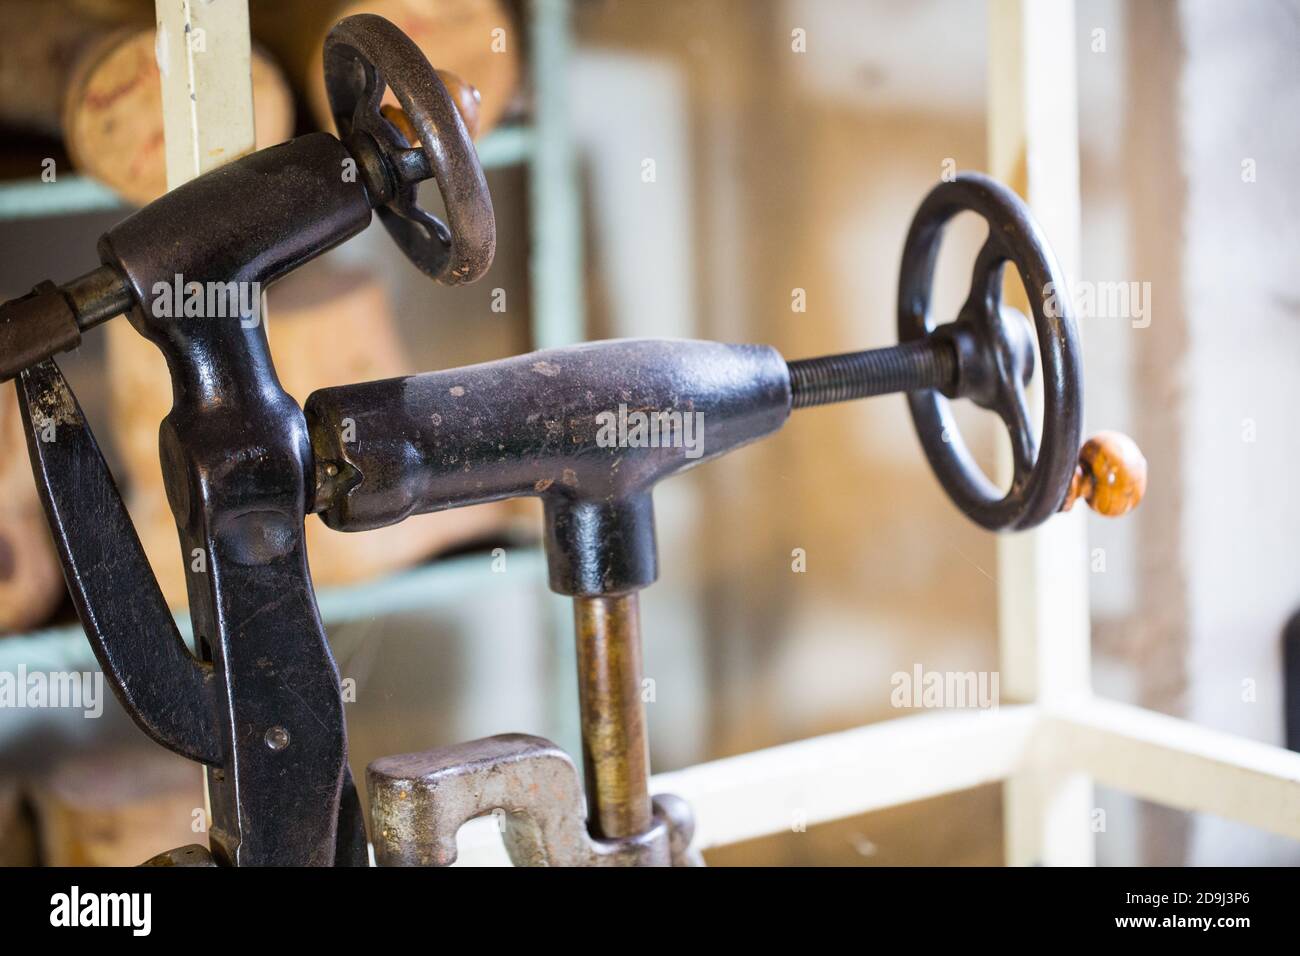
x,y
166,689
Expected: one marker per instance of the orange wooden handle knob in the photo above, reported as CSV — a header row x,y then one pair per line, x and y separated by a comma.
x,y
464,95
467,100
1111,475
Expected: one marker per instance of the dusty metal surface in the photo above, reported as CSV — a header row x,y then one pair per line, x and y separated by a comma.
x,y
539,425
532,425
194,854
34,327
419,801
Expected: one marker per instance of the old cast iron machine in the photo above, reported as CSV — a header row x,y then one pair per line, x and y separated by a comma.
x,y
260,704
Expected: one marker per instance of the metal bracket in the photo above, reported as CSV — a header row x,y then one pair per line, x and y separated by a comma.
x,y
419,801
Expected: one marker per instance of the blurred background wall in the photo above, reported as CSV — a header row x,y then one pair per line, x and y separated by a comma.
x,y
802,174
734,188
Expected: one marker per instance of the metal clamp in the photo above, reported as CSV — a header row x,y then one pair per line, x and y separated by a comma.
x,y
419,801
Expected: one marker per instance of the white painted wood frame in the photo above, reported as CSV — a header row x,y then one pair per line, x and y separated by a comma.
x,y
205,60
204,53
1044,630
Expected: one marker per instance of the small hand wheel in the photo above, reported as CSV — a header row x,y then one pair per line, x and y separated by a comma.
x,y
364,54
995,356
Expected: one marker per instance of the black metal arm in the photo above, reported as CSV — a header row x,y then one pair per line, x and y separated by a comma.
x,y
261,703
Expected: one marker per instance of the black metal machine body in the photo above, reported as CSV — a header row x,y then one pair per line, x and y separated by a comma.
x,y
260,705
589,429
534,425
539,424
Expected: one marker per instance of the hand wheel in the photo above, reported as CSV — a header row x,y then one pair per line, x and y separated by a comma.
x,y
364,54
994,356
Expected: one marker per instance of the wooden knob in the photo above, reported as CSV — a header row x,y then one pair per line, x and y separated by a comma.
x,y
463,94
1111,475
466,98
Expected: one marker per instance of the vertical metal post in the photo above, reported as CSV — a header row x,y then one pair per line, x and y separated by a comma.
x,y
615,752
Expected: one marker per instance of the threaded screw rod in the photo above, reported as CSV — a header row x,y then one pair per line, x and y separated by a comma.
x,y
928,363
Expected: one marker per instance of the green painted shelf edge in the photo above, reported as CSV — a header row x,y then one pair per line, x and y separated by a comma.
x,y
506,146
66,196
71,195
428,587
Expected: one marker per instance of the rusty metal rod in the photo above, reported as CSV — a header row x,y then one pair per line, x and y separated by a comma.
x,y
98,296
615,754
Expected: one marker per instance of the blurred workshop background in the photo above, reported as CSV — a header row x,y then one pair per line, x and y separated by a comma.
x,y
724,186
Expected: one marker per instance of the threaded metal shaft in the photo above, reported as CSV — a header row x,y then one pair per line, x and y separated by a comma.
x,y
900,368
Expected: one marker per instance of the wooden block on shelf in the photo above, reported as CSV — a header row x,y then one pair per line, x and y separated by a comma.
x,y
44,38
118,809
112,113
475,39
87,71
17,835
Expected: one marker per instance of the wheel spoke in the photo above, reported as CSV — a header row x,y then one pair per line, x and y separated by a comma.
x,y
986,277
1013,409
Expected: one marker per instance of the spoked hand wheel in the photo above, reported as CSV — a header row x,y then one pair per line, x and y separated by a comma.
x,y
987,355
995,358
364,54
